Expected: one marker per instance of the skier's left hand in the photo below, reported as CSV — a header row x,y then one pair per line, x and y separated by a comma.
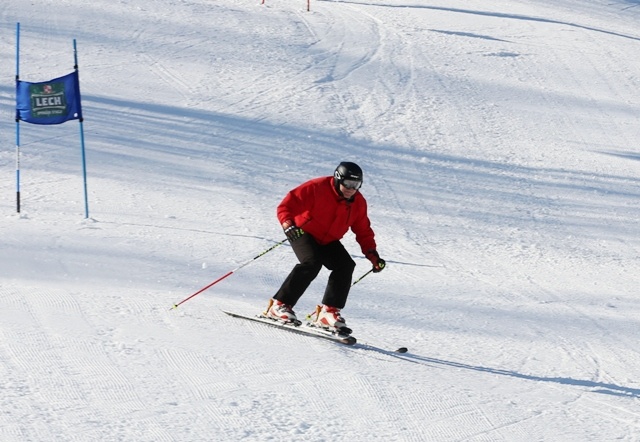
x,y
378,263
293,232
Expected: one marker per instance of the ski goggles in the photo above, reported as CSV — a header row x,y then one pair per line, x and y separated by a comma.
x,y
352,184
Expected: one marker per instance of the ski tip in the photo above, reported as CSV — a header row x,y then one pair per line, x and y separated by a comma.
x,y
402,350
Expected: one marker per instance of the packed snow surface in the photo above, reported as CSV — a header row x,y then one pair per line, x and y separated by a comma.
x,y
499,142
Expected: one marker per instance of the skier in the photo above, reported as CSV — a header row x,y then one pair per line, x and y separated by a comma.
x,y
315,216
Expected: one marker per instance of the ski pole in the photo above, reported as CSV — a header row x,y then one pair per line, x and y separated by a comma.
x,y
230,273
361,278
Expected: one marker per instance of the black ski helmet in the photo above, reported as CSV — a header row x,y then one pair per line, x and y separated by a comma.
x,y
347,171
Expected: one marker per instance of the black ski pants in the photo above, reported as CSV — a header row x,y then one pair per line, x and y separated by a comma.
x,y
312,257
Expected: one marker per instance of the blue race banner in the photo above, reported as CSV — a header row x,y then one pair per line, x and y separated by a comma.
x,y
49,102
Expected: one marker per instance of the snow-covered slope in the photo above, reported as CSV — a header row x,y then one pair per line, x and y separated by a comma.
x,y
499,142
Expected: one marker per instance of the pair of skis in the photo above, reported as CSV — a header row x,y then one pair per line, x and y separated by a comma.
x,y
302,329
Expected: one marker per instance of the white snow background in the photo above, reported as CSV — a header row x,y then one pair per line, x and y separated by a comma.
x,y
500,146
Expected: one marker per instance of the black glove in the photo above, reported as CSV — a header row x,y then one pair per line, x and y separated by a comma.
x,y
378,263
293,232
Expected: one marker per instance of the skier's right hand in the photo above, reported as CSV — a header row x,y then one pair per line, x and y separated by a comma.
x,y
378,263
293,232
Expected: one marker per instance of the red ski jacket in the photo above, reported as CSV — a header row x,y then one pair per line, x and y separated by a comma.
x,y
317,208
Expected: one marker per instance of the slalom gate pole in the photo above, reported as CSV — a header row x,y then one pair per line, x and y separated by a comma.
x,y
17,119
81,119
230,272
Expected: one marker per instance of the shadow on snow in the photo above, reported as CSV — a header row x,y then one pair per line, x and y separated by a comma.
x,y
597,387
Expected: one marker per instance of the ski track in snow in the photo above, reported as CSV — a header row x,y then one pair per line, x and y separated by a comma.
x,y
498,143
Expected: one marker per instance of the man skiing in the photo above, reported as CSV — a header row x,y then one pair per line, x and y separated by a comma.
x,y
315,216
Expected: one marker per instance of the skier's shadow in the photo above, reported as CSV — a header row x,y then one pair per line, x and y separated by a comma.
x,y
597,387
